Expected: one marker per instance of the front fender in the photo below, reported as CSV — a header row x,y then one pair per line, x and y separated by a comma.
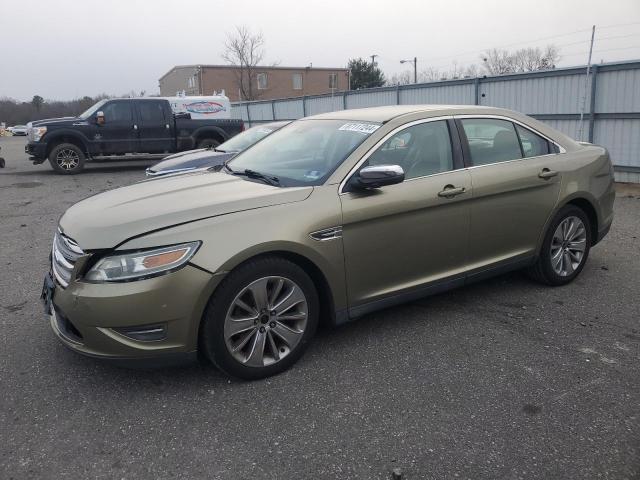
x,y
57,136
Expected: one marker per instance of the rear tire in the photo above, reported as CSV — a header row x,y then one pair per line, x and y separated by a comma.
x,y
208,143
565,248
270,335
67,159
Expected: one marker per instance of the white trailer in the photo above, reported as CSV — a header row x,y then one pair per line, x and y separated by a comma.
x,y
203,107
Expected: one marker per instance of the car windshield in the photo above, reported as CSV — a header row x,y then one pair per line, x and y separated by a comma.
x,y
91,110
246,139
305,152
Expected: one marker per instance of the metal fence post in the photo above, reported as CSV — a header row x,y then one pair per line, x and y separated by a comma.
x,y
273,109
304,106
476,85
248,113
398,94
344,100
592,103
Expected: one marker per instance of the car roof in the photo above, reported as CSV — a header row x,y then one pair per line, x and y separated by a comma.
x,y
275,125
384,114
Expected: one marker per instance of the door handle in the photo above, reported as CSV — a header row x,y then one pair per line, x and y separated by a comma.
x,y
547,174
450,191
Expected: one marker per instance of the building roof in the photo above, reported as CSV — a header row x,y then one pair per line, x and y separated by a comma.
x,y
260,67
384,114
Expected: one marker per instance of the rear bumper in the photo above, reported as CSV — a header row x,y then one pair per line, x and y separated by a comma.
x,y
36,151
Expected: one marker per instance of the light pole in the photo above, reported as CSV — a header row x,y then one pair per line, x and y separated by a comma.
x,y
373,59
415,68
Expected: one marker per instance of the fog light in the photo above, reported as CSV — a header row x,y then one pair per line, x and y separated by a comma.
x,y
144,333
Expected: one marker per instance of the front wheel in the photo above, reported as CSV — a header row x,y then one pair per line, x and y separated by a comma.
x,y
565,248
260,319
67,158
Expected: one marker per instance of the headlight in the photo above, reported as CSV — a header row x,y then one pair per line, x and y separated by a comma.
x,y
38,133
144,264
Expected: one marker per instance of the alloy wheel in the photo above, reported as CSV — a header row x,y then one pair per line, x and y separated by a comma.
x,y
266,321
568,246
67,159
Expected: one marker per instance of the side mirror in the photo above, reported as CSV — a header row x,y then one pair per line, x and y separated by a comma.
x,y
377,176
100,118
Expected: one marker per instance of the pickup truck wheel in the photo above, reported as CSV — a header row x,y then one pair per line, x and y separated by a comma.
x,y
67,159
208,143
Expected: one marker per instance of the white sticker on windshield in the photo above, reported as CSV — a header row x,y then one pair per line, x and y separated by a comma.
x,y
313,174
364,128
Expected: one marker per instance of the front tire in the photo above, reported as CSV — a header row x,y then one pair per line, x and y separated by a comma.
x,y
67,159
565,248
260,319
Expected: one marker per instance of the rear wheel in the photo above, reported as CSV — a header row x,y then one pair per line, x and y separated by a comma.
x,y
67,158
208,143
565,248
260,319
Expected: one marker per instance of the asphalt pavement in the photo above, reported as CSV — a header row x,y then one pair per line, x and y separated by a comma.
x,y
504,379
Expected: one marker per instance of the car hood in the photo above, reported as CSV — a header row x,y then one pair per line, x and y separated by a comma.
x,y
195,159
55,121
107,219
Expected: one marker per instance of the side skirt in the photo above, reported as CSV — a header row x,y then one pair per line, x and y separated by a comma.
x,y
436,287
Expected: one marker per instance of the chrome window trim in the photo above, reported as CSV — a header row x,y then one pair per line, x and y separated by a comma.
x,y
379,143
513,120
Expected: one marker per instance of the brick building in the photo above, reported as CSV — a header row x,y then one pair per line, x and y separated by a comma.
x,y
267,83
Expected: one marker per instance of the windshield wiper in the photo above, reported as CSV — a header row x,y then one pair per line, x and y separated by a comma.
x,y
269,179
218,150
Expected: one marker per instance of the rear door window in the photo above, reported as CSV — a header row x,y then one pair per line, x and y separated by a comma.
x,y
533,145
151,112
491,140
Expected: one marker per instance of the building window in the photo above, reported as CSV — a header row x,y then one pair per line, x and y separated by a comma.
x,y
297,81
262,81
333,80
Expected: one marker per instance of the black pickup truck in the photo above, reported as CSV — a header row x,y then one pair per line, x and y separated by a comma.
x,y
115,127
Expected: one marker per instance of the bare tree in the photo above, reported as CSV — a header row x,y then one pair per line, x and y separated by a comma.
x,y
245,50
498,62
402,78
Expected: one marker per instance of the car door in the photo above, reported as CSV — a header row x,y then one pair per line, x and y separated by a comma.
x,y
401,239
154,129
516,184
118,134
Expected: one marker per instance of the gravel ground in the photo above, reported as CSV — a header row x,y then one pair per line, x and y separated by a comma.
x,y
502,379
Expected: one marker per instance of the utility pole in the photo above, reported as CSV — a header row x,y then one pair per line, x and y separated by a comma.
x,y
586,85
415,68
373,60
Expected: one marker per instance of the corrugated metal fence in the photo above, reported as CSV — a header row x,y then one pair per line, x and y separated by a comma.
x,y
611,115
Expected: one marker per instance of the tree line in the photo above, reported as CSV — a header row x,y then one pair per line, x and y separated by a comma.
x,y
492,62
15,112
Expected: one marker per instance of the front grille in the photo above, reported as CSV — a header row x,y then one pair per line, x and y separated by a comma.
x,y
64,255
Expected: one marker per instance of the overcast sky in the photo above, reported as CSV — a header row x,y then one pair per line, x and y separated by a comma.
x,y
62,49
